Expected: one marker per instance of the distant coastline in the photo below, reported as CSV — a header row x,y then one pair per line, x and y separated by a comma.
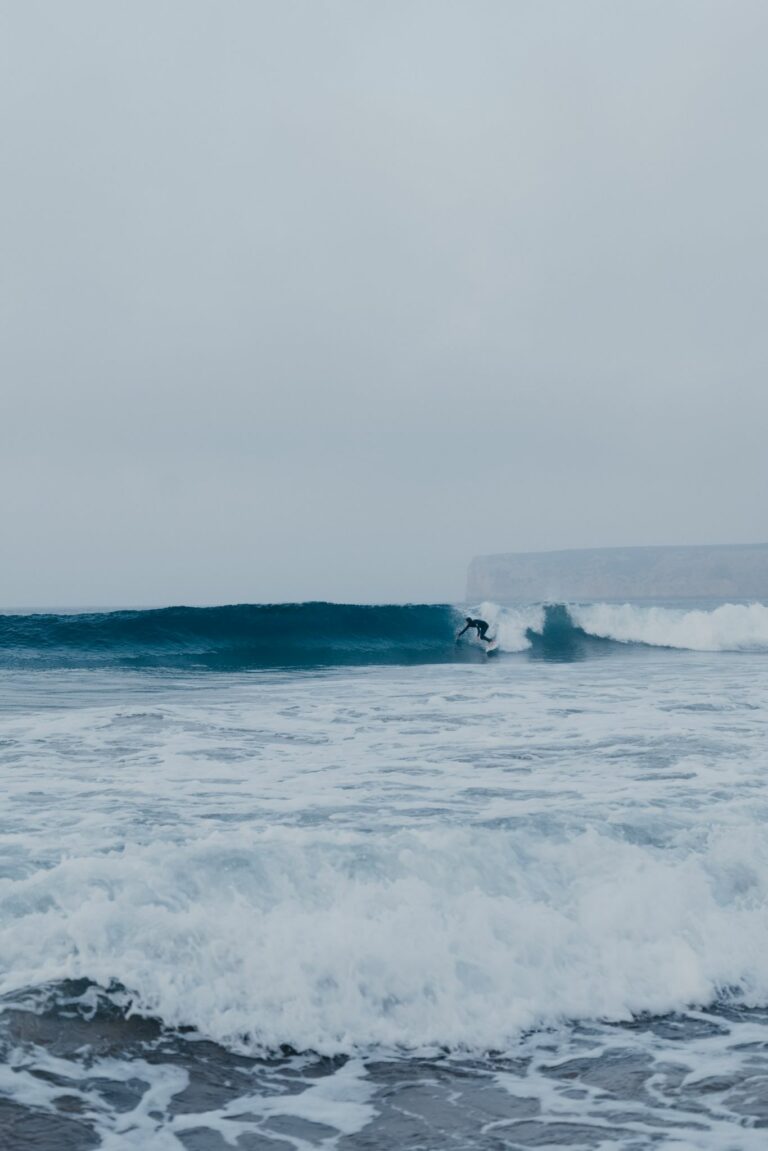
x,y
736,571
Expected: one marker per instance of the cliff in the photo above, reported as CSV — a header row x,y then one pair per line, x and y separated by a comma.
x,y
728,571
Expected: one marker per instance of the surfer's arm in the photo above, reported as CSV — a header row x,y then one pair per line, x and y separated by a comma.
x,y
465,628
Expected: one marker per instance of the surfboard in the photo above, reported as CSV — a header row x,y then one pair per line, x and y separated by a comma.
x,y
484,645
477,641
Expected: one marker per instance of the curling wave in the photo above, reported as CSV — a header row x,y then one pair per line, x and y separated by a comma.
x,y
236,637
729,627
251,636
576,631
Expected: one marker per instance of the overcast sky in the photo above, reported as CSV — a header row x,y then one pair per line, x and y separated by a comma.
x,y
314,299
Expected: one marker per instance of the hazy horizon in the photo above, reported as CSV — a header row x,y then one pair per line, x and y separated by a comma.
x,y
317,301
463,598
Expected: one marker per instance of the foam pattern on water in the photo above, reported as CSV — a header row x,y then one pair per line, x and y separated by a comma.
x,y
729,627
482,891
333,942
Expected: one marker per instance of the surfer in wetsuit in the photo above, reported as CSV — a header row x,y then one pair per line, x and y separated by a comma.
x,y
479,624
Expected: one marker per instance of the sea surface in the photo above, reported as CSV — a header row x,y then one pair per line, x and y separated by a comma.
x,y
315,876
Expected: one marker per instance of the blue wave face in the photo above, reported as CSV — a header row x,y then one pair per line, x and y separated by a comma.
x,y
562,640
251,636
237,637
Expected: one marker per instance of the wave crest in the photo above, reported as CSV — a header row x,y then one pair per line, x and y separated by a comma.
x,y
730,627
335,942
251,636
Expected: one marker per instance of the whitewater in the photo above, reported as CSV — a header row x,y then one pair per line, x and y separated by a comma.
x,y
315,876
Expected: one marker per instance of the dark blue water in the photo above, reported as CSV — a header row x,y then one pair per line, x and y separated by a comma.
x,y
243,636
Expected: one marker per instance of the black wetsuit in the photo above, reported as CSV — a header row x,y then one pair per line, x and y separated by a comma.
x,y
480,624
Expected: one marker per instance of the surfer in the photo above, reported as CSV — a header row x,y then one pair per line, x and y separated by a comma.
x,y
479,624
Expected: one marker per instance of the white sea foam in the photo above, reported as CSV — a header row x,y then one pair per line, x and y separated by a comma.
x,y
511,625
399,860
383,859
336,941
730,627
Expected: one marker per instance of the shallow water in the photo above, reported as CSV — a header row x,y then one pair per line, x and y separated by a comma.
x,y
507,904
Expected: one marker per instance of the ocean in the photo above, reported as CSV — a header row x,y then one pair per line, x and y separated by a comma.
x,y
315,876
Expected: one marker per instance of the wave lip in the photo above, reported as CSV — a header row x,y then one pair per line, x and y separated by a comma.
x,y
729,627
560,631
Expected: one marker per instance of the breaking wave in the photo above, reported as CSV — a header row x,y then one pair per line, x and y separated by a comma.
x,y
236,637
247,636
729,627
560,631
339,941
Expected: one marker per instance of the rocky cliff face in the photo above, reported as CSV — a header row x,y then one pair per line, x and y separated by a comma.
x,y
724,572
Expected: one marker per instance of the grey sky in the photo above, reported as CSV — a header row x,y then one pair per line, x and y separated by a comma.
x,y
318,299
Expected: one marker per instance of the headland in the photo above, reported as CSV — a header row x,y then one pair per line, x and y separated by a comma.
x,y
726,571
